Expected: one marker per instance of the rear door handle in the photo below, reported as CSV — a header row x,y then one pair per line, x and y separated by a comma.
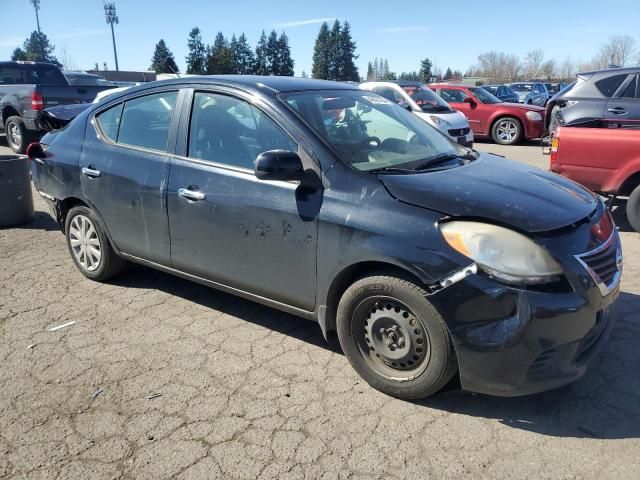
x,y
191,194
91,172
617,110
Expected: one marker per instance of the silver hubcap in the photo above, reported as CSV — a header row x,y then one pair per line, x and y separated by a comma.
x,y
85,243
15,135
507,131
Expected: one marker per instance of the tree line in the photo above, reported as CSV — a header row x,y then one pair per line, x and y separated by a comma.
x,y
334,53
272,55
36,48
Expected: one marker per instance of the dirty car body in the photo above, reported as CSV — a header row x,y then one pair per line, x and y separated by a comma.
x,y
298,245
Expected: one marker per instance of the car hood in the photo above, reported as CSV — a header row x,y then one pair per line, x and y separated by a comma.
x,y
523,106
497,190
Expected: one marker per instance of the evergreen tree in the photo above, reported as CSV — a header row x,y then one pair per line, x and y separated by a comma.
x,y
163,61
376,69
285,62
243,56
304,74
348,69
448,75
425,70
335,52
19,55
261,66
272,54
220,59
233,48
320,68
36,48
197,58
370,74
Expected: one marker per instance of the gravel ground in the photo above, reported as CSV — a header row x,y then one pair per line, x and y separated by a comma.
x,y
243,391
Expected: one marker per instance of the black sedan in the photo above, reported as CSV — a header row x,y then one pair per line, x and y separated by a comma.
x,y
503,92
319,199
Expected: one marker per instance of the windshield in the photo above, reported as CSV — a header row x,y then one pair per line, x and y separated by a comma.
x,y
521,87
369,132
426,98
484,96
491,89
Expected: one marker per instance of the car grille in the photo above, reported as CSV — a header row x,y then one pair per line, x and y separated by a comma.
x,y
458,132
604,264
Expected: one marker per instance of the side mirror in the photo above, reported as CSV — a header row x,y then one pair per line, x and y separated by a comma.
x,y
470,101
35,150
279,165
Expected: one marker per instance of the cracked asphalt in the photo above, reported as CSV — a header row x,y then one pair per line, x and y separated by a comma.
x,y
162,378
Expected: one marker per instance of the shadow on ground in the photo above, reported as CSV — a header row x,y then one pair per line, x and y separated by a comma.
x,y
594,407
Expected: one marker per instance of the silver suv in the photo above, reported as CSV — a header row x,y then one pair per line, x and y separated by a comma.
x,y
531,93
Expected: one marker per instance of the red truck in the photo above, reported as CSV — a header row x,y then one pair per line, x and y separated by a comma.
x,y
606,160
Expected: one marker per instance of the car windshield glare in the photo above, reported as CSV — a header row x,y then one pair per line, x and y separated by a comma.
x,y
369,132
521,87
484,96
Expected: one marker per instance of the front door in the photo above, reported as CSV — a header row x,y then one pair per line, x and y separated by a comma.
x,y
125,168
475,112
226,225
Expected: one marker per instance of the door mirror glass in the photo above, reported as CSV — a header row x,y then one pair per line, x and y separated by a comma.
x,y
279,165
470,101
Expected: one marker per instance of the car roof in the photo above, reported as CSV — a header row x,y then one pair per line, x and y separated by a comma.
x,y
269,85
7,63
446,84
621,71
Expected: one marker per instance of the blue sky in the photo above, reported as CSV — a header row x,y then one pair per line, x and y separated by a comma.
x,y
452,34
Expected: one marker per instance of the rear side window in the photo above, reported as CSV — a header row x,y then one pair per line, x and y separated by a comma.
x,y
146,120
608,86
109,121
630,91
11,75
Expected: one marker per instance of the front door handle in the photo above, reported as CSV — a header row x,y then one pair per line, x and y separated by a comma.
x,y
617,110
191,194
91,172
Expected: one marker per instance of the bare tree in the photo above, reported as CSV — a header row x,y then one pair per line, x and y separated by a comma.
x,y
66,60
548,69
619,50
532,63
566,70
512,67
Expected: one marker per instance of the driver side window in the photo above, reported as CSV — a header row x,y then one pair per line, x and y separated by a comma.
x,y
451,95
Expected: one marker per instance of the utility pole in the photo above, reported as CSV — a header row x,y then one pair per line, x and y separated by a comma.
x,y
111,18
36,7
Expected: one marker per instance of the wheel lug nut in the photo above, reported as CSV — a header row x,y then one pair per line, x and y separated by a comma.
x,y
412,322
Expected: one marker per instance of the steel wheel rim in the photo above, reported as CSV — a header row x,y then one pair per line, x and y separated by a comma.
x,y
85,243
15,135
507,131
391,338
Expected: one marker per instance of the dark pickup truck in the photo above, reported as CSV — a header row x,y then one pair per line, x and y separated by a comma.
x,y
26,88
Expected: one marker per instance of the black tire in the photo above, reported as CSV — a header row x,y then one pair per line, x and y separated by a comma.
x,y
373,303
108,264
501,136
633,209
18,137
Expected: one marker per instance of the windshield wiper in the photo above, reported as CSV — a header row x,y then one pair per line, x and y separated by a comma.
x,y
443,157
390,170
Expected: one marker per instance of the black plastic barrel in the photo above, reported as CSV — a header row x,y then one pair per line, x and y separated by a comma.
x,y
16,201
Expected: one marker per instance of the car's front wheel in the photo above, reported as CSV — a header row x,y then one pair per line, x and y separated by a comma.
x,y
394,337
506,131
89,246
633,209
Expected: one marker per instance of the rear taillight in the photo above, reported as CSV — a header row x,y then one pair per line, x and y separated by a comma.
x,y
37,101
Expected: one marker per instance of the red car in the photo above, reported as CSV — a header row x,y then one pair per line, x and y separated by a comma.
x,y
505,123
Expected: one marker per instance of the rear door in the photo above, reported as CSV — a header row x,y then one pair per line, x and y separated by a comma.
x,y
226,225
125,168
623,110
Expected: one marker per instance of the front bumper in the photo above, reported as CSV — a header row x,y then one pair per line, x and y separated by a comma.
x,y
512,342
534,129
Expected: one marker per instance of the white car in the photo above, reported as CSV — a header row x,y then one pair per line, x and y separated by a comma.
x,y
426,104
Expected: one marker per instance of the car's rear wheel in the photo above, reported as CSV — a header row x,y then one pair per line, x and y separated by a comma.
x,y
506,131
18,137
633,209
89,246
394,338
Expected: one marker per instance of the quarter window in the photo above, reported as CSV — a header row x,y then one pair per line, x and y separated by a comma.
x,y
233,132
109,121
630,91
146,120
608,86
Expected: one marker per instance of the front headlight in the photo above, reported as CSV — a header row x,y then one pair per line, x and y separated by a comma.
x,y
439,121
534,116
502,253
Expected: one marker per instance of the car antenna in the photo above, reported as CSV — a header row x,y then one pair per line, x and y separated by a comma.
x,y
174,72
